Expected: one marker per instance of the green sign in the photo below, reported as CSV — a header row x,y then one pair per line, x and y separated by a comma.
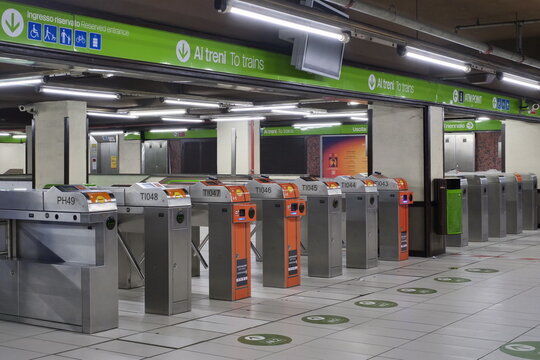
x,y
453,280
418,291
454,211
380,304
10,140
471,125
331,130
35,26
325,319
190,134
481,270
264,339
523,349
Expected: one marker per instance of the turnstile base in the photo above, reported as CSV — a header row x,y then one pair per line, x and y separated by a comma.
x,y
456,240
362,264
333,272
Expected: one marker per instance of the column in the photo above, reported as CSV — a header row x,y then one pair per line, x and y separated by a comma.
x,y
60,143
407,142
246,146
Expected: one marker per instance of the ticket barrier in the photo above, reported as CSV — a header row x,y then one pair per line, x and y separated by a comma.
x,y
360,198
394,201
60,268
496,204
514,203
154,232
279,213
478,207
530,207
228,214
462,239
321,227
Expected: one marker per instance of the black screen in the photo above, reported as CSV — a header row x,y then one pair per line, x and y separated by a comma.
x,y
283,155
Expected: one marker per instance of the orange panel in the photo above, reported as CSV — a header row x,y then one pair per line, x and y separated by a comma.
x,y
292,251
241,261
405,198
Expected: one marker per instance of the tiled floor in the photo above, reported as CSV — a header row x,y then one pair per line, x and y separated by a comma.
x,y
468,320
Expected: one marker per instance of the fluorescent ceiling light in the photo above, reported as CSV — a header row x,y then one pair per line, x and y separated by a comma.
x,y
316,125
483,118
338,114
4,134
187,120
336,35
355,118
239,118
110,115
264,108
353,103
194,103
518,80
290,112
19,136
168,130
132,133
162,112
30,80
105,133
79,93
437,59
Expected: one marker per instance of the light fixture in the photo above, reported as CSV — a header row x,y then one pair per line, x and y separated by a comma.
x,y
286,20
168,130
316,125
30,80
159,112
337,114
4,134
239,118
79,93
290,112
111,115
483,118
518,80
433,58
353,103
136,133
19,136
187,120
106,133
193,103
264,108
356,118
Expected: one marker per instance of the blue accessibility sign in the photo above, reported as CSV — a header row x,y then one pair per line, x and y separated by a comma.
x,y
66,36
81,38
50,33
95,41
34,31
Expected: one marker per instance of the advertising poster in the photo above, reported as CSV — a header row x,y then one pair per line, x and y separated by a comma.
x,y
343,155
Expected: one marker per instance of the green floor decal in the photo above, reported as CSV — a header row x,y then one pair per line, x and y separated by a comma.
x,y
450,279
419,291
264,339
523,349
380,304
325,319
482,270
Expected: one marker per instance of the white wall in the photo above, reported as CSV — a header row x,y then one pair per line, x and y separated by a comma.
x,y
129,156
436,116
243,147
12,156
398,149
522,142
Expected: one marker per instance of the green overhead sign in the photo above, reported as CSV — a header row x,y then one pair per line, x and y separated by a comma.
x,y
471,125
190,134
40,27
333,130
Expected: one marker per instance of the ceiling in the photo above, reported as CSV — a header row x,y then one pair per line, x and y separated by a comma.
x,y
199,17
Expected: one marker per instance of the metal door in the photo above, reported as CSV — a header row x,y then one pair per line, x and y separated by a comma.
x,y
449,152
155,157
465,152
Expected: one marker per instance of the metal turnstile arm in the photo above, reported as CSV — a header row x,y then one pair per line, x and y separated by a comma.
x,y
256,251
130,256
199,255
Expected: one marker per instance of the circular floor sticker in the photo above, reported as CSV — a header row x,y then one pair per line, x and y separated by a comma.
x,y
325,319
380,304
450,279
481,270
523,349
264,339
420,291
